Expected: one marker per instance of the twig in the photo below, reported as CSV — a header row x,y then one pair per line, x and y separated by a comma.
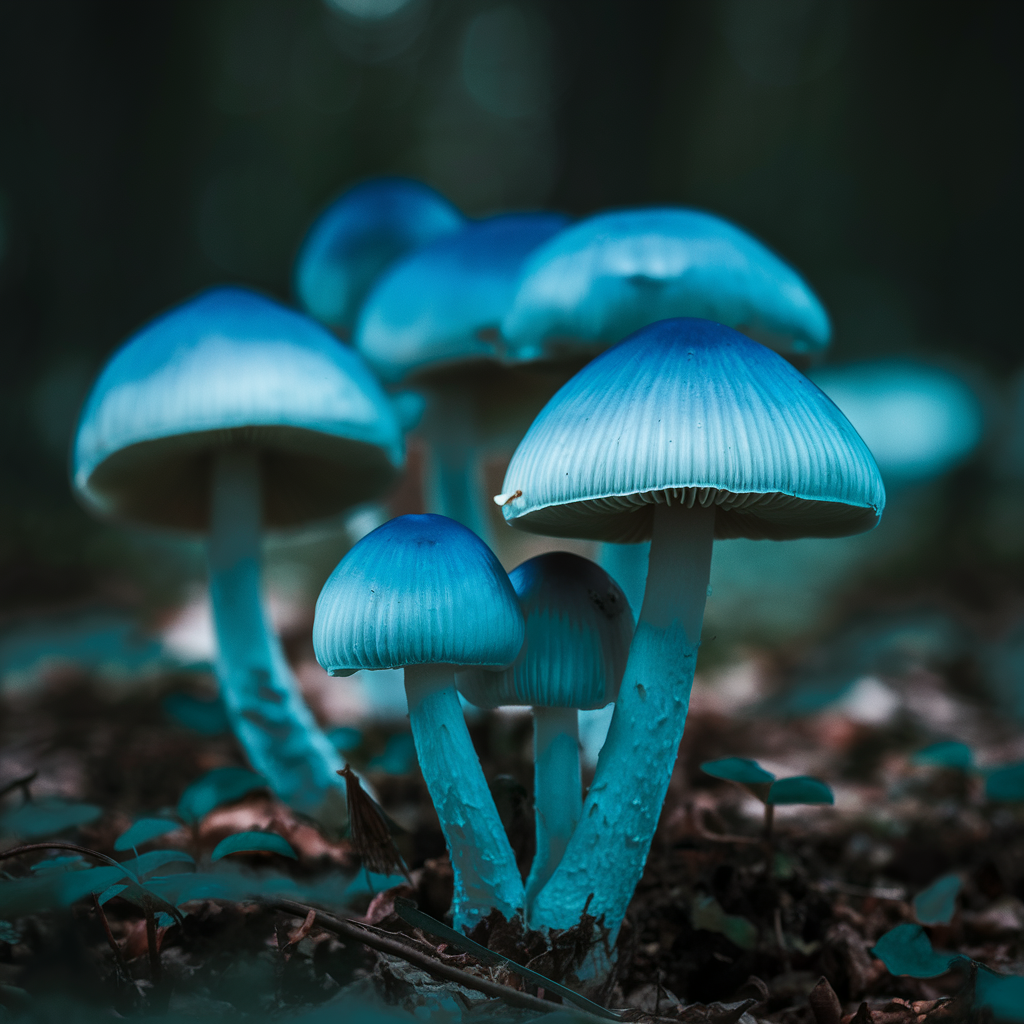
x,y
23,783
154,948
119,964
30,847
394,947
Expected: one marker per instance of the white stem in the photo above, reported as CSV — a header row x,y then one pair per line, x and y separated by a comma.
x,y
609,846
486,876
627,565
454,474
268,716
557,789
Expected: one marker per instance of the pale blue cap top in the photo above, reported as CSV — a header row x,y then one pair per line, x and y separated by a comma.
x,y
419,590
690,412
578,630
611,274
232,367
443,304
358,235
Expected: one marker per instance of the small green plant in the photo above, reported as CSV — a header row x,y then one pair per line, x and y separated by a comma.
x,y
772,792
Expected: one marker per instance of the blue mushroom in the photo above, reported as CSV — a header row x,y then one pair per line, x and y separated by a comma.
x,y
684,432
613,273
432,322
424,593
357,236
229,414
918,420
578,629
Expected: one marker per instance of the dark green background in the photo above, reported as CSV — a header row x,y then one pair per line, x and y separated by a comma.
x,y
148,149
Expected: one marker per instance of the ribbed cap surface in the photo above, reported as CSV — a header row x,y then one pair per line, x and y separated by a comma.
x,y
358,235
578,629
611,274
688,411
233,367
430,306
419,590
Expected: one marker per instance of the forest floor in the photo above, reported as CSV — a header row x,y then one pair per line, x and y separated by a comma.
x,y
726,927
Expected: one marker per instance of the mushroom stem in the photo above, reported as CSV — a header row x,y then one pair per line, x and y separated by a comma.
x,y
609,846
268,716
486,876
557,790
454,485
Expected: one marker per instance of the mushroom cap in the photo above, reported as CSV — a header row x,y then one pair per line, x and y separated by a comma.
x,y
231,367
578,629
690,412
358,235
419,590
918,420
611,274
430,307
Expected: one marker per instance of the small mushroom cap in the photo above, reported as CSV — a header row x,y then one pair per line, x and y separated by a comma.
x,y
918,420
419,590
690,412
611,274
578,629
430,307
231,367
358,235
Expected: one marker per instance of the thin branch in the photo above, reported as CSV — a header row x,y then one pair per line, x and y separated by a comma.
x,y
394,947
119,964
23,783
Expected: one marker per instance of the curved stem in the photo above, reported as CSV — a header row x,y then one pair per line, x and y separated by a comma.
x,y
557,789
486,876
609,846
454,475
268,716
627,565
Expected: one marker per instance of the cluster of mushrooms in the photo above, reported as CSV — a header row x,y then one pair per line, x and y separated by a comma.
x,y
617,352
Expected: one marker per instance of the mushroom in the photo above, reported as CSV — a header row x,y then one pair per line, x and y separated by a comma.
x,y
431,322
229,414
686,431
357,236
578,628
424,593
611,274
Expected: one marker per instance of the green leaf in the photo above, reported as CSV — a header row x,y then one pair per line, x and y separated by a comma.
x,y
46,818
143,831
253,842
149,862
57,889
74,862
906,949
345,738
947,754
707,915
738,769
398,757
152,902
800,789
206,717
937,903
1003,994
1006,783
111,892
215,788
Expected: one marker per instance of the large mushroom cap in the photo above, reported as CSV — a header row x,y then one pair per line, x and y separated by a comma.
x,y
358,235
232,367
419,590
611,274
690,412
429,309
578,629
